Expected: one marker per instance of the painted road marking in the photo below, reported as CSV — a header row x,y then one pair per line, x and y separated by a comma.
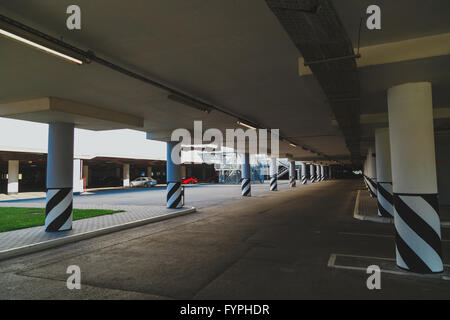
x,y
332,264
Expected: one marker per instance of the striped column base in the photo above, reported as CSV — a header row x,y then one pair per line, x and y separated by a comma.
x,y
366,183
372,187
385,199
246,188
312,179
304,180
418,232
273,184
58,209
292,182
174,195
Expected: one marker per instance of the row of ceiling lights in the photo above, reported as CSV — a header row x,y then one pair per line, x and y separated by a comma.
x,y
16,31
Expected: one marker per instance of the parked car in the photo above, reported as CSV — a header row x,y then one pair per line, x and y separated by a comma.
x,y
143,182
190,180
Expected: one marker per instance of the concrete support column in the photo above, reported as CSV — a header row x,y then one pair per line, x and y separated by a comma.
x,y
246,184
58,210
312,173
365,171
303,173
371,173
416,208
322,173
273,174
318,173
384,176
292,183
126,175
174,191
13,176
86,175
78,183
149,172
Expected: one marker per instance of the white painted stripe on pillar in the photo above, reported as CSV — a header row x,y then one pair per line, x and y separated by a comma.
x,y
400,261
386,205
68,224
175,196
422,249
59,208
424,211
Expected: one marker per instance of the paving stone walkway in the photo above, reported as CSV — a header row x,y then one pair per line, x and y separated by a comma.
x,y
35,235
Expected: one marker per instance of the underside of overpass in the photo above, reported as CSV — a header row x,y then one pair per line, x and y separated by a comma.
x,y
355,90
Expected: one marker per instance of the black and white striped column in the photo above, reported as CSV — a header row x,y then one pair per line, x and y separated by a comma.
x,y
372,186
322,173
384,174
416,213
58,208
174,192
246,185
318,173
303,173
273,174
312,173
292,182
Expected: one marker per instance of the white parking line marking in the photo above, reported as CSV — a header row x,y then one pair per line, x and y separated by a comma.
x,y
373,235
332,264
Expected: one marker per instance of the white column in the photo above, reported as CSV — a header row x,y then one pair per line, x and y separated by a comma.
x,y
273,174
149,172
246,181
174,193
384,176
417,222
312,173
78,183
126,175
86,174
371,172
58,211
303,173
13,176
292,183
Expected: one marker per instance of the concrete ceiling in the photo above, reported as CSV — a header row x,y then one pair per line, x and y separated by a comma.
x,y
231,53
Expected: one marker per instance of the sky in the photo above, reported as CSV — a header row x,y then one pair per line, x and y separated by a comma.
x,y
26,136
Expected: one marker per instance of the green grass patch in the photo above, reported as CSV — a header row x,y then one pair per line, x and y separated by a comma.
x,y
19,218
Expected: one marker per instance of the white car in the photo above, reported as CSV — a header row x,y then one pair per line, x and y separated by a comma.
x,y
143,182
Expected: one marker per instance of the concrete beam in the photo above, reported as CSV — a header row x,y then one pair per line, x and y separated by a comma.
x,y
382,118
51,109
393,52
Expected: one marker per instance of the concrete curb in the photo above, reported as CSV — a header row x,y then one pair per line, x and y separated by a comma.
x,y
14,252
356,215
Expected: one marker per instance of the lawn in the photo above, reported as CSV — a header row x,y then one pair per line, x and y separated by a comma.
x,y
19,218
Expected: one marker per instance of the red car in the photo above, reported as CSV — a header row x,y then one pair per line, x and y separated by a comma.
x,y
190,180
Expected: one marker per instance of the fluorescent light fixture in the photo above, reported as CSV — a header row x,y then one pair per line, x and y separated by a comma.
x,y
189,102
239,122
292,145
38,46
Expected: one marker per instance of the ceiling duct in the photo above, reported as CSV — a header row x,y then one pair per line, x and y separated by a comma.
x,y
326,48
